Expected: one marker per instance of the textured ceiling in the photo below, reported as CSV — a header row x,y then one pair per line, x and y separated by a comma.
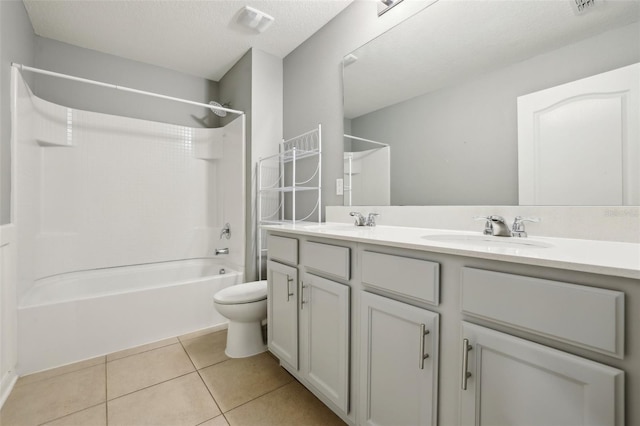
x,y
198,37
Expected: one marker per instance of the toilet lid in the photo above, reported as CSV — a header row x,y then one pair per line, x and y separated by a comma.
x,y
242,293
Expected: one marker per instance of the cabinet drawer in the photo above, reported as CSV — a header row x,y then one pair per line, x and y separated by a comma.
x,y
414,278
332,260
283,249
584,316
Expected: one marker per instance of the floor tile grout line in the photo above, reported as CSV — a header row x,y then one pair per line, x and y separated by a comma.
x,y
150,386
139,353
202,380
107,399
260,396
226,419
189,355
70,414
61,374
201,423
210,393
106,393
182,339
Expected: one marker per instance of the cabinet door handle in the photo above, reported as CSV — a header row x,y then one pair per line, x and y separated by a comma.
x,y
466,347
423,356
302,301
289,294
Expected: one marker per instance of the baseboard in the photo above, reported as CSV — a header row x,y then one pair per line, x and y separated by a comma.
x,y
6,386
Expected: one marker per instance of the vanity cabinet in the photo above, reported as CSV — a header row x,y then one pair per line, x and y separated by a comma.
x,y
506,380
398,363
309,315
390,334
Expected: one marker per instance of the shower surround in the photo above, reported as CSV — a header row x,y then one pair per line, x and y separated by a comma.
x,y
97,192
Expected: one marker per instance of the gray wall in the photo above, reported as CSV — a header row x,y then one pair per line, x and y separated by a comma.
x,y
17,44
68,59
266,125
439,137
313,79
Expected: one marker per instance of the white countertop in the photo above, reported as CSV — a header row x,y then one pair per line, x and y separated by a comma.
x,y
598,257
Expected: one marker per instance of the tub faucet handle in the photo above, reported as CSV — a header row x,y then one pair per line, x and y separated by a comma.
x,y
226,231
222,251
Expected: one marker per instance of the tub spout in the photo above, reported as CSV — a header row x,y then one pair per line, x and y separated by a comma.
x,y
222,251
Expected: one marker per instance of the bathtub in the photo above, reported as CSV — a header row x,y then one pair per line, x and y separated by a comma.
x,y
81,315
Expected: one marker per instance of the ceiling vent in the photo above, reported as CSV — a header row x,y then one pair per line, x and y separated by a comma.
x,y
254,19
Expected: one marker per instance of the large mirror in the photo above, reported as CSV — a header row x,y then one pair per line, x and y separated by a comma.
x,y
486,102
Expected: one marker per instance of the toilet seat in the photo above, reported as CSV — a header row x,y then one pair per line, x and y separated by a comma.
x,y
242,293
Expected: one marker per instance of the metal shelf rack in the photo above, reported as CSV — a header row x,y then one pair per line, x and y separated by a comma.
x,y
282,177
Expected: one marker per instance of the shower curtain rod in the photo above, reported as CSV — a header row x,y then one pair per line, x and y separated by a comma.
x,y
365,140
123,88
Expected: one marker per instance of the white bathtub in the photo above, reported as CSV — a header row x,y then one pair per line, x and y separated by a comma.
x,y
80,315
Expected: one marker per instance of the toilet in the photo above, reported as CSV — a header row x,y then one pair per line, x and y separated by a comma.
x,y
245,306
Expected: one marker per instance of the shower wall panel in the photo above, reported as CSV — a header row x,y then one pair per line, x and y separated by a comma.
x,y
96,190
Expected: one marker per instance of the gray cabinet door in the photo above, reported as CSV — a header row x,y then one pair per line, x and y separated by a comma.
x,y
511,381
282,312
399,382
325,337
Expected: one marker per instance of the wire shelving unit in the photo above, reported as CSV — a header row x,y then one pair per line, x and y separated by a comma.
x,y
283,178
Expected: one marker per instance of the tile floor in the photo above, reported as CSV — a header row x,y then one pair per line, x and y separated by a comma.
x,y
186,380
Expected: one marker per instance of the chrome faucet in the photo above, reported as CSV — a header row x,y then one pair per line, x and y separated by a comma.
x,y
370,220
226,231
222,251
517,229
495,225
360,220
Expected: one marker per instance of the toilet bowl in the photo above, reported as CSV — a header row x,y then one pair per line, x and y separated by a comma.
x,y
245,306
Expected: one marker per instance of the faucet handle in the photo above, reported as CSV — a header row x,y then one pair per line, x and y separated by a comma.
x,y
517,229
371,219
488,227
492,218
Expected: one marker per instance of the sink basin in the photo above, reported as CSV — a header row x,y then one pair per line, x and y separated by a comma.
x,y
487,241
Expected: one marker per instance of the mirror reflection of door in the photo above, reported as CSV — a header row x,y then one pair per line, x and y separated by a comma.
x,y
578,142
